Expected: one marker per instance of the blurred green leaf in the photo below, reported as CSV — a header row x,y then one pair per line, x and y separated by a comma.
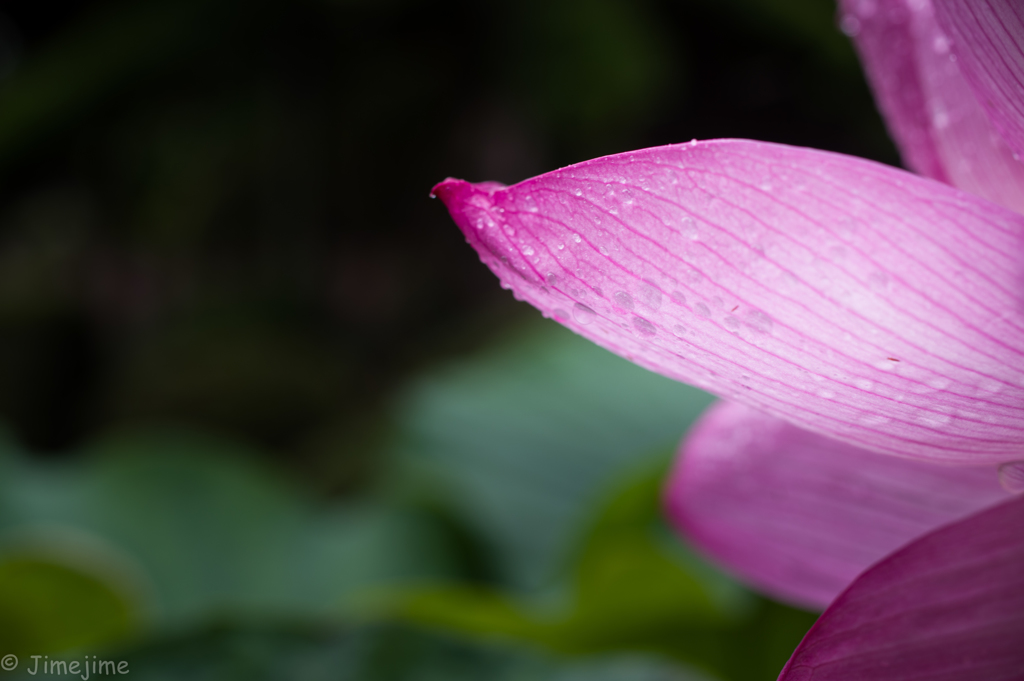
x,y
303,652
210,531
631,589
522,440
46,606
627,591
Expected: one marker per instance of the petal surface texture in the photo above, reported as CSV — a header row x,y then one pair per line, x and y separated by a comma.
x,y
941,128
947,607
799,515
988,39
854,299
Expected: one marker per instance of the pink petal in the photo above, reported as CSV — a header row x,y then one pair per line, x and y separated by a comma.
x,y
988,39
799,515
851,298
941,128
948,607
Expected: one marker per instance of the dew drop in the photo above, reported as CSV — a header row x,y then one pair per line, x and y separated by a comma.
x,y
677,297
577,238
561,247
528,251
702,310
864,384
732,323
623,300
826,394
989,386
679,330
651,295
934,419
759,322
850,25
560,315
644,327
873,420
1011,476
552,279
582,314
578,192
689,229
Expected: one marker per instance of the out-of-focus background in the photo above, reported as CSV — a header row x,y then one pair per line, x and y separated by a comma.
x,y
265,415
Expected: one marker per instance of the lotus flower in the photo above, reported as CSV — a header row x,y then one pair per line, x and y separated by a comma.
x,y
865,323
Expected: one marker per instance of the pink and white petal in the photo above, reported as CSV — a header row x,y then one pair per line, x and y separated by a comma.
x,y
851,298
988,40
798,515
947,607
942,130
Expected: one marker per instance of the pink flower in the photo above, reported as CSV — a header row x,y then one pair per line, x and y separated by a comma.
x,y
867,323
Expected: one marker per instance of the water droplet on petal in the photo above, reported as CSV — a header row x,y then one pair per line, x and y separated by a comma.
x,y
1011,476
760,322
578,192
989,386
702,310
873,420
677,297
850,25
644,327
528,250
582,314
651,295
623,300
577,238
864,384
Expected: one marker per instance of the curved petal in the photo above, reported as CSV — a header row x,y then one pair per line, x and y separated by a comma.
x,y
942,130
851,298
988,39
799,515
948,606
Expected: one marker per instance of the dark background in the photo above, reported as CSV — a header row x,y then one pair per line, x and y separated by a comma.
x,y
215,214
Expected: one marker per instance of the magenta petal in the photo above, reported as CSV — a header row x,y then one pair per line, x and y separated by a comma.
x,y
988,39
854,299
941,128
799,515
949,607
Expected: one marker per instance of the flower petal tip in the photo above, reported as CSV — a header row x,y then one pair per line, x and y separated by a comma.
x,y
807,284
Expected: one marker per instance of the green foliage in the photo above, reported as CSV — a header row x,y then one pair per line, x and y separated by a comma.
x,y
520,440
182,530
630,589
47,607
